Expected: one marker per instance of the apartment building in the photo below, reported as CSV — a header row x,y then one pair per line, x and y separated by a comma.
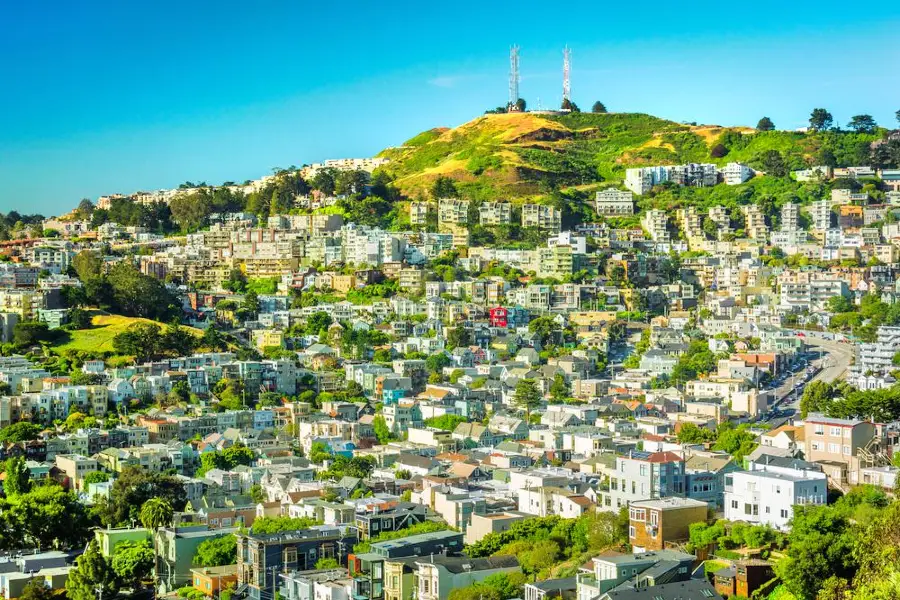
x,y
790,217
754,222
643,476
641,180
735,173
418,213
495,213
614,203
878,356
652,524
766,494
541,216
655,224
453,212
841,446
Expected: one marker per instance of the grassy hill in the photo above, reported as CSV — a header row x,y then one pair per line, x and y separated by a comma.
x,y
99,337
521,155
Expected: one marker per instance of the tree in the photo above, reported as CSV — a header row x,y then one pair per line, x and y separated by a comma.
x,y
559,389
137,295
897,115
324,181
862,124
443,187
132,489
318,321
773,163
459,337
765,124
85,208
820,119
133,562
520,105
91,573
18,479
382,432
327,563
689,433
527,396
29,333
22,431
820,546
598,107
156,513
216,552
718,151
141,340
36,589
88,265
569,105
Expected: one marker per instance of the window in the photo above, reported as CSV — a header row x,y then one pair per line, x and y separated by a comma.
x,y
846,450
834,448
654,518
784,513
631,531
734,504
836,431
815,445
819,429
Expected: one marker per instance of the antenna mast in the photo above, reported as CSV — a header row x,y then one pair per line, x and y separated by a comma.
x,y
513,78
567,63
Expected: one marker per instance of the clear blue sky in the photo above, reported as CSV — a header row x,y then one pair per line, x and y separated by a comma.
x,y
111,96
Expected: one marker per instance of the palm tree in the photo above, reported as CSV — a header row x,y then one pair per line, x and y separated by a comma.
x,y
156,513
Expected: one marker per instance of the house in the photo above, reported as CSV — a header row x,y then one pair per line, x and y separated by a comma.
x,y
259,555
641,476
836,442
495,522
507,427
439,575
743,578
692,589
175,549
652,524
212,580
767,493
388,516
564,589
615,572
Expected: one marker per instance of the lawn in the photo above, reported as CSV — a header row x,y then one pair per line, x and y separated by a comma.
x,y
99,338
711,566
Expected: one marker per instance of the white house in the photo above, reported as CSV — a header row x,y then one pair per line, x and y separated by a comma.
x,y
767,494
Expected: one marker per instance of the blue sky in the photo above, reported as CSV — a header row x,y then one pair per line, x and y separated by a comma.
x,y
109,96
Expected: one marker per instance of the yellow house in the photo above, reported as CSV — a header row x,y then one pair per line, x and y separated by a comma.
x,y
268,337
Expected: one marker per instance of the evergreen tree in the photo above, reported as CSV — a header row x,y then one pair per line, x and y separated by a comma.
x,y
18,480
90,573
765,124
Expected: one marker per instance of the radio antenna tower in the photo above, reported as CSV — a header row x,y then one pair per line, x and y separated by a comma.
x,y
567,64
513,77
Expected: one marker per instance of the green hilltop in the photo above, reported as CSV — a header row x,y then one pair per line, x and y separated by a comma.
x,y
523,155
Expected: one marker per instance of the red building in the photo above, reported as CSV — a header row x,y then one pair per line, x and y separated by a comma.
x,y
498,316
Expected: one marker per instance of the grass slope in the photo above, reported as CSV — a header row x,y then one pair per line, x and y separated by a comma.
x,y
99,338
520,155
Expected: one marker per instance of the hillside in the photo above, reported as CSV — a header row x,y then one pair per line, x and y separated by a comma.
x,y
518,155
98,339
